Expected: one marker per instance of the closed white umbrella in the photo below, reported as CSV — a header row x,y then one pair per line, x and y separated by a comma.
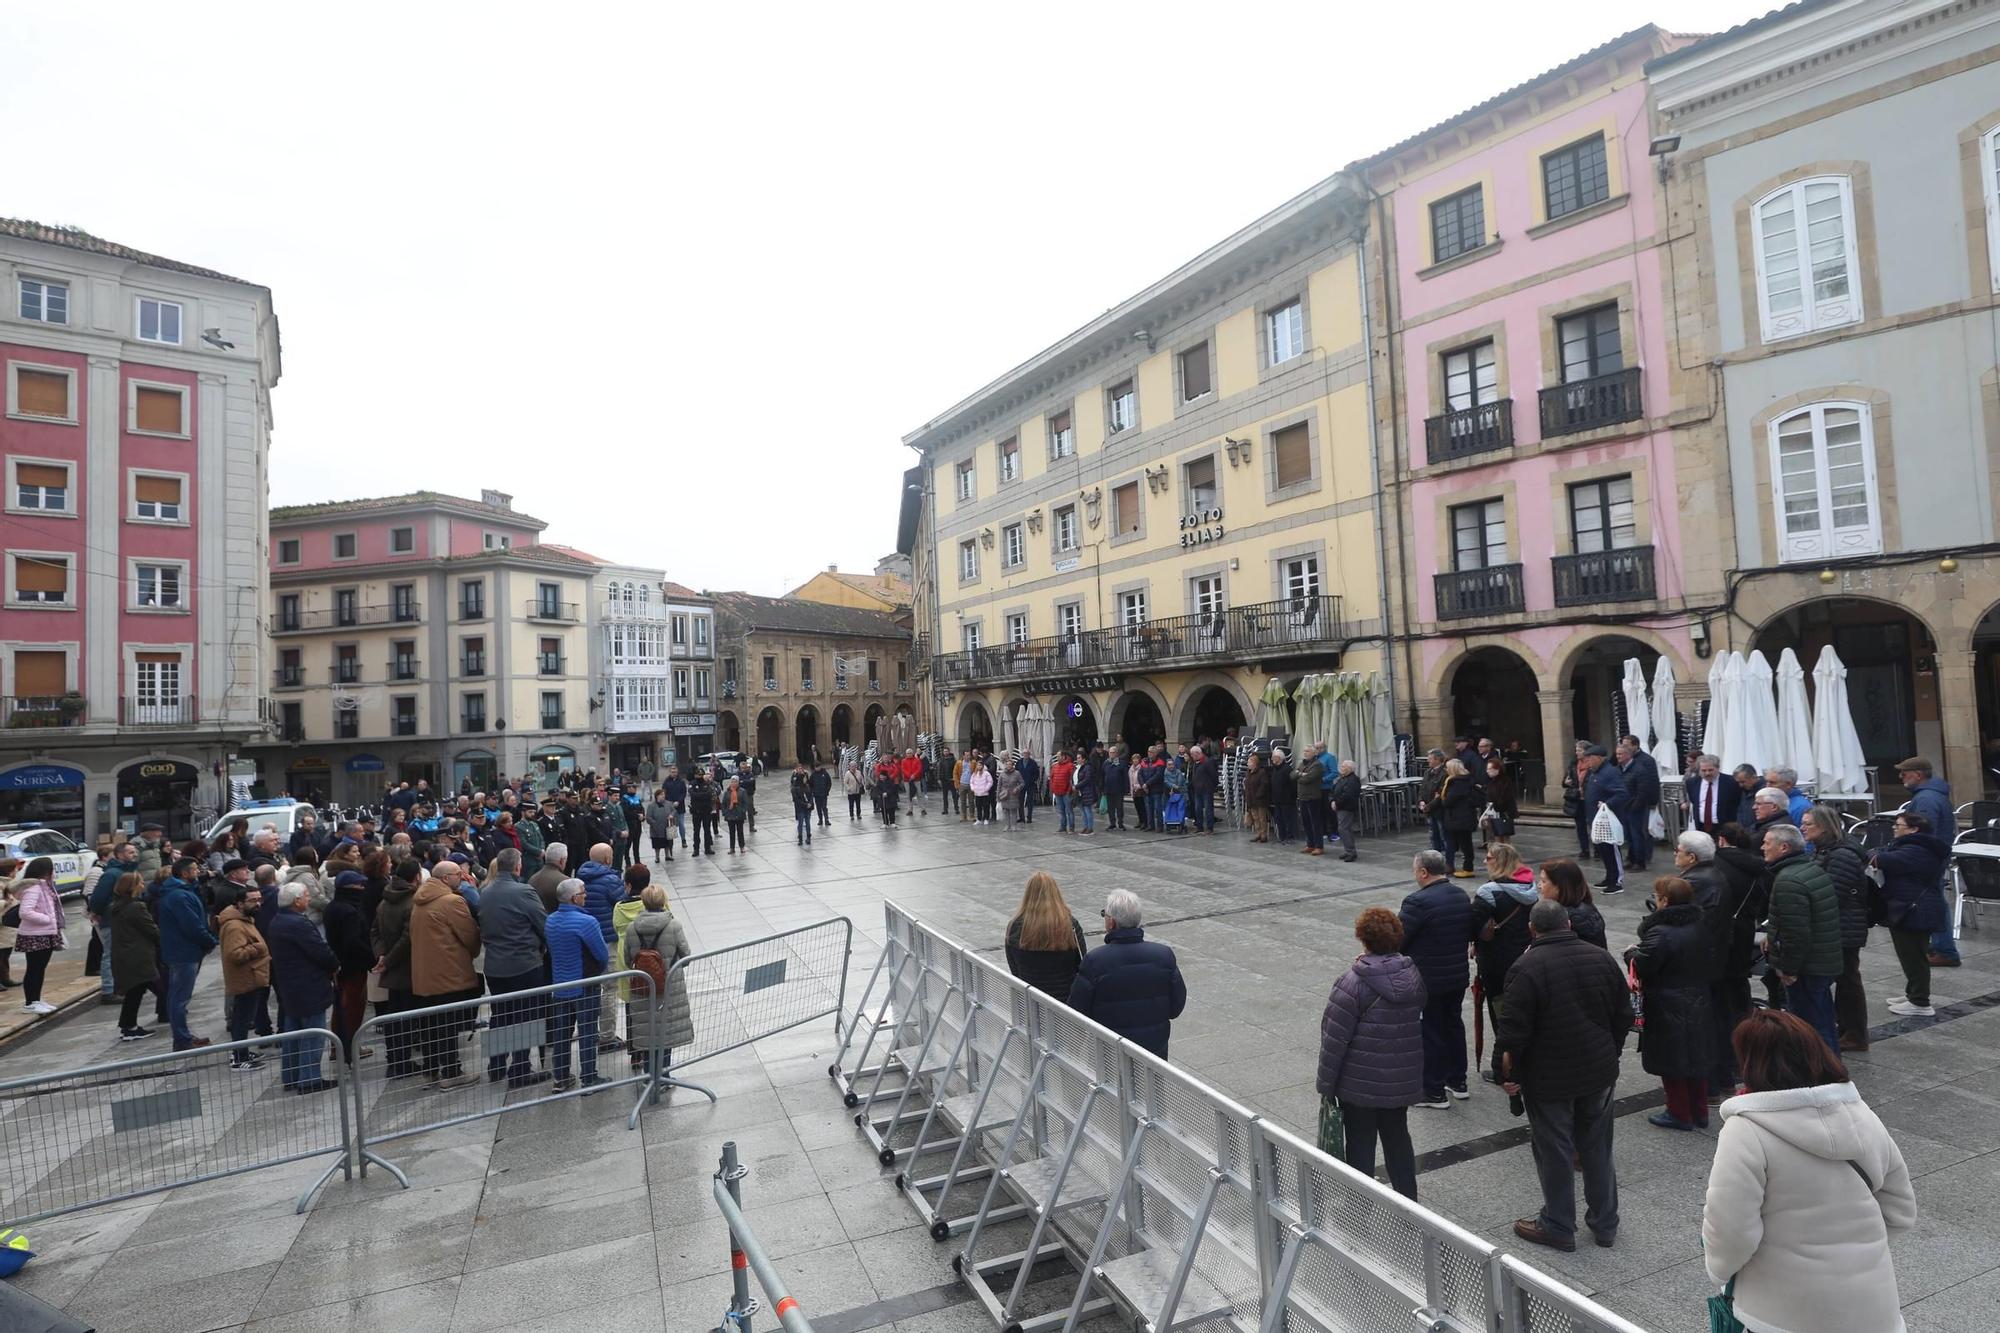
x,y
1350,736
1638,714
1381,725
1712,738
1010,737
1666,722
1736,714
1273,712
1305,711
1836,745
1760,712
1795,738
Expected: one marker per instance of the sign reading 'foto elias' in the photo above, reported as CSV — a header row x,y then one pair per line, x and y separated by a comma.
x,y
1201,527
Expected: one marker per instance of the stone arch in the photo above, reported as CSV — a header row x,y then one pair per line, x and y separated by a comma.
x,y
728,730
1883,671
1114,716
771,735
1579,644
975,725
1181,719
842,725
869,719
1438,683
805,733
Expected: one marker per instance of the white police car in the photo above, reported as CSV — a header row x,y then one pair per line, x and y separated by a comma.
x,y
281,812
25,842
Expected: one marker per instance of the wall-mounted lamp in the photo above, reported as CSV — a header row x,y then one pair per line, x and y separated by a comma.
x,y
986,538
1828,576
1663,147
1948,565
1034,520
1156,479
1238,450
1144,336
1698,632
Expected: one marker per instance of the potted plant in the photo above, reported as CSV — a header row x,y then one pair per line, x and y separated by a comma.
x,y
71,705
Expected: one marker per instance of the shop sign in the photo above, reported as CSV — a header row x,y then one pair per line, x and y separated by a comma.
x,y
1201,527
691,721
1065,566
168,769
37,776
1072,684
365,763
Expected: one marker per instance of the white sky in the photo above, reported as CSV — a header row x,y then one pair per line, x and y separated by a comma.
x,y
680,278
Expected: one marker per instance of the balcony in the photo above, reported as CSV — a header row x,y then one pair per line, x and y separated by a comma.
x,y
619,609
472,723
1605,576
549,664
806,686
405,668
346,726
1265,630
155,712
24,711
292,735
1492,591
472,610
1602,400
874,686
559,612
729,689
770,684
406,613
342,617
1469,431
472,665
289,678
403,726
347,671
552,721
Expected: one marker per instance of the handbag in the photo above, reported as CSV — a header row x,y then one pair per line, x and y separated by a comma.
x,y
1605,827
1722,1311
1332,1134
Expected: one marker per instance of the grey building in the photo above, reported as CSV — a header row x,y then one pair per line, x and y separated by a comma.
x,y
1832,171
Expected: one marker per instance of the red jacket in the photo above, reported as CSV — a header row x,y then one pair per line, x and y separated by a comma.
x,y
1059,777
912,768
885,771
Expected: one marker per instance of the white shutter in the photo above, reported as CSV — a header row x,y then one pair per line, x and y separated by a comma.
x,y
1823,483
1989,162
1808,269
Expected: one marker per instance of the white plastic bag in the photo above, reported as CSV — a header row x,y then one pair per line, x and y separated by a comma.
x,y
1656,826
1605,828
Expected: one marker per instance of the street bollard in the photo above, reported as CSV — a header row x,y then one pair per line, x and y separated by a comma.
x,y
746,1256
729,1174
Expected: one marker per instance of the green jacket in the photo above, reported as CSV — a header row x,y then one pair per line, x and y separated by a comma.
x,y
1805,919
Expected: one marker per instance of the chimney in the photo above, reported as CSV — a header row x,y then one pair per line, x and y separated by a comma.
x,y
497,499
833,569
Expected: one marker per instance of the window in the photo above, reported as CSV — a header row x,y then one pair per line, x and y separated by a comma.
x,y
472,599
1479,535
1458,224
678,627
874,674
403,602
345,546
40,674
159,410
1575,177
288,611
291,667
968,636
41,579
1013,546
42,487
1589,344
552,710
1010,459
1065,526
967,480
1600,515
498,541
549,658
1207,595
1291,455
770,673
346,664
44,302
548,601
1301,577
1069,620
1017,628
1469,377
158,500
1199,479
288,550
1126,515
41,393
1132,607
902,675
346,607
968,560
1062,436
472,657
702,678
158,587
472,712
806,676
1823,460
402,541
1121,406
403,714
701,631
1285,331
159,321
403,659
1195,379
156,681
1806,263
1989,174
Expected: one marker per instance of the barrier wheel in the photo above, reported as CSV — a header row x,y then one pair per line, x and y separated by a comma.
x,y
860,1117
941,1231
833,1070
958,1263
851,1099
886,1157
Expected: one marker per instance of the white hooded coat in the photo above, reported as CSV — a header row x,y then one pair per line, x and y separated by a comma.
x,y
1806,1237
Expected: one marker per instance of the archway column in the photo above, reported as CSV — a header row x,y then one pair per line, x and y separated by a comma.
x,y
1556,740
1958,715
1434,723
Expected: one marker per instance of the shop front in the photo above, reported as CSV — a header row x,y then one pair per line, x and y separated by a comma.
x,y
694,736
474,770
548,764
158,791
309,778
46,794
364,776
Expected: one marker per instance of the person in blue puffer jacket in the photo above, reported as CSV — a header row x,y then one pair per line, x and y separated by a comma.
x,y
602,888
1128,983
184,941
1437,927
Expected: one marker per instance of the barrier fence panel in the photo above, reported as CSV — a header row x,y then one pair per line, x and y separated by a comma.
x,y
451,1063
762,987
876,1010
1533,1302
130,1127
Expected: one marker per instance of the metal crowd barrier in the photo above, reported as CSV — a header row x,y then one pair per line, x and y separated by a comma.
x,y
747,1256
1169,1203
452,1063
760,988
126,1128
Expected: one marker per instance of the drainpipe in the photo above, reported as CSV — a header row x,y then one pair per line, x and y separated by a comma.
x,y
1375,465
1395,443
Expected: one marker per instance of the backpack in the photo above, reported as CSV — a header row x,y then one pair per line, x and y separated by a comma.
x,y
649,961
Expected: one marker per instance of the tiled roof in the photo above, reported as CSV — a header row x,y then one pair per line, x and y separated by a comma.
x,y
1728,35
783,613
682,592
295,513
75,238
887,587
569,551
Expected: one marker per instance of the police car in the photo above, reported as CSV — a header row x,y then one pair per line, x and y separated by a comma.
x,y
25,842
281,812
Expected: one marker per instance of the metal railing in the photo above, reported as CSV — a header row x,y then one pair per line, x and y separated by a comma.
x,y
1601,400
1496,590
1624,575
538,609
289,678
37,710
757,989
1171,1204
1470,430
746,1256
346,671
1261,630
126,1128
156,712
405,668
349,617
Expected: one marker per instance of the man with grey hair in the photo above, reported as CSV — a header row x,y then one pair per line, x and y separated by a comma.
x,y
1427,805
302,968
1129,983
555,869
512,929
1804,943
1437,928
1712,798
1345,802
576,950
1786,780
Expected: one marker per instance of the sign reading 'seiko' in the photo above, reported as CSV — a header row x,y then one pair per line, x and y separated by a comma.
x,y
1202,527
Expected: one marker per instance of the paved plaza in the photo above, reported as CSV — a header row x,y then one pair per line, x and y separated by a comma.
x,y
557,1217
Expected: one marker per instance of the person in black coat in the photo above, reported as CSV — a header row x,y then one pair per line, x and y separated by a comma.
x,y
821,784
1713,797
1284,796
1128,983
348,935
1039,950
1642,783
1826,839
1345,797
1563,880
1672,963
1437,928
302,970
1456,807
1911,904
1502,799
1604,785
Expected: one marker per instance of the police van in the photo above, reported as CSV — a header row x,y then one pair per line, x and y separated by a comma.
x,y
25,842
281,812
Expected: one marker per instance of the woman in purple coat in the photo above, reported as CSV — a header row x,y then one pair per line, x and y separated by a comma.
x,y
1371,1050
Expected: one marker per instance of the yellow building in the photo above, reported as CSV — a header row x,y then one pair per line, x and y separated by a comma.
x,y
858,592
1144,524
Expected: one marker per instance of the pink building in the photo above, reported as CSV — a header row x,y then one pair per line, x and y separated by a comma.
x,y
136,442
1528,318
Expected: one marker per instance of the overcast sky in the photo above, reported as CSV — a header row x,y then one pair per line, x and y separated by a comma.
x,y
681,279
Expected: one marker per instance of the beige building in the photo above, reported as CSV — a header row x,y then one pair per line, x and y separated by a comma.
x,y
1147,522
879,591
800,677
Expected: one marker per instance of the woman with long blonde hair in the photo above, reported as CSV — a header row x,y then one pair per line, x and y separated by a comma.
x,y
1044,942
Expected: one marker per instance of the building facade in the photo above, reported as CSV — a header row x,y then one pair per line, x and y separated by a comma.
x,y
136,446
884,590
800,678
630,665
1143,525
1835,203
696,692
424,636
